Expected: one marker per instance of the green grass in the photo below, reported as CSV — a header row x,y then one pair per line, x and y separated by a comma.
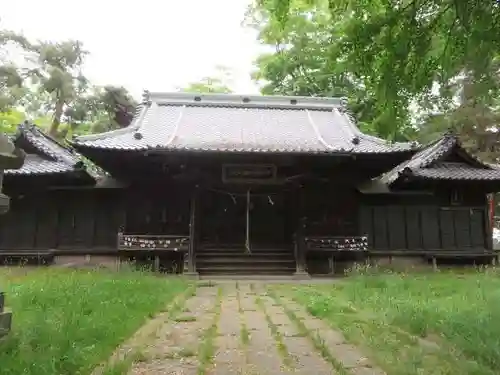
x,y
68,321
387,314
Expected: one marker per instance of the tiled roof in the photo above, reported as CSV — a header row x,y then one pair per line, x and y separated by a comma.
x,y
34,164
458,171
232,123
44,154
431,163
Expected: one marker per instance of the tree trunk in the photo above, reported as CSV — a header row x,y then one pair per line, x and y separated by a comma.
x,y
54,127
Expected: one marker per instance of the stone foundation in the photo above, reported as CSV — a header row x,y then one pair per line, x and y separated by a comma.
x,y
78,261
398,262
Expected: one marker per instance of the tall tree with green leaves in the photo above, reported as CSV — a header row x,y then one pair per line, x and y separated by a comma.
x,y
107,108
411,44
412,50
303,60
59,72
11,76
50,80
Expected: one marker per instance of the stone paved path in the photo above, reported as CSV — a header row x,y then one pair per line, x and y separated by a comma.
x,y
239,328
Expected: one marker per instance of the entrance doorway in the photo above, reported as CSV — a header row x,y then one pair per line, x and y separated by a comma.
x,y
245,218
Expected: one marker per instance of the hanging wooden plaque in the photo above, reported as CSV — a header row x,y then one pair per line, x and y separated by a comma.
x,y
248,173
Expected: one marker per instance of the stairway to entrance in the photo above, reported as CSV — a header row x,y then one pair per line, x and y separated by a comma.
x,y
234,260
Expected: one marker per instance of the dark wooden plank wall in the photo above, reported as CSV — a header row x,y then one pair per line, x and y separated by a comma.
x,y
158,213
330,210
413,223
62,220
85,219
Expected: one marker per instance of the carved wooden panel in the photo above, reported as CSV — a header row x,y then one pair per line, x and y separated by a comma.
x,y
152,242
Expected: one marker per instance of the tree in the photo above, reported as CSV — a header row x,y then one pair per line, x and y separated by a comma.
x,y
118,104
9,120
107,108
304,61
51,69
51,81
59,72
10,87
406,47
475,119
11,77
220,83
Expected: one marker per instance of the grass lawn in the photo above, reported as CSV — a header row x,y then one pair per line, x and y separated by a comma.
x,y
68,321
439,323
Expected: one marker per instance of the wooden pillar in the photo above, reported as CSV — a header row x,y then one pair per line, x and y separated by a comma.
x,y
488,222
301,264
300,251
191,262
331,264
157,263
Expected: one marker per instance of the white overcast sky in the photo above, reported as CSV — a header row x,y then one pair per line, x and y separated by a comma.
x,y
157,45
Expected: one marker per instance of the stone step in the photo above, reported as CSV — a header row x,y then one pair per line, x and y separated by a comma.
x,y
270,269
244,251
249,273
249,277
233,259
241,247
246,256
244,260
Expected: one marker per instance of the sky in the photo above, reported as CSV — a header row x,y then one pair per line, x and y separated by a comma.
x,y
158,45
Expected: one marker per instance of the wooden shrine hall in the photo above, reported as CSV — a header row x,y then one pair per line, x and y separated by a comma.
x,y
227,184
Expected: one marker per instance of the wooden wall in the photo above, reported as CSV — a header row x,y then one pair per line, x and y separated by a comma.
x,y
157,211
88,218
82,219
330,210
424,223
62,220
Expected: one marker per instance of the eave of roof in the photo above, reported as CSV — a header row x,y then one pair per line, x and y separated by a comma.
x,y
36,165
51,157
457,171
240,124
430,163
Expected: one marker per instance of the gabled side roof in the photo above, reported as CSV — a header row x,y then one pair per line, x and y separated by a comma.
x,y
44,155
243,124
435,162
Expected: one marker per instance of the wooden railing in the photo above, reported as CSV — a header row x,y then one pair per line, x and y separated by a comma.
x,y
336,243
148,242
